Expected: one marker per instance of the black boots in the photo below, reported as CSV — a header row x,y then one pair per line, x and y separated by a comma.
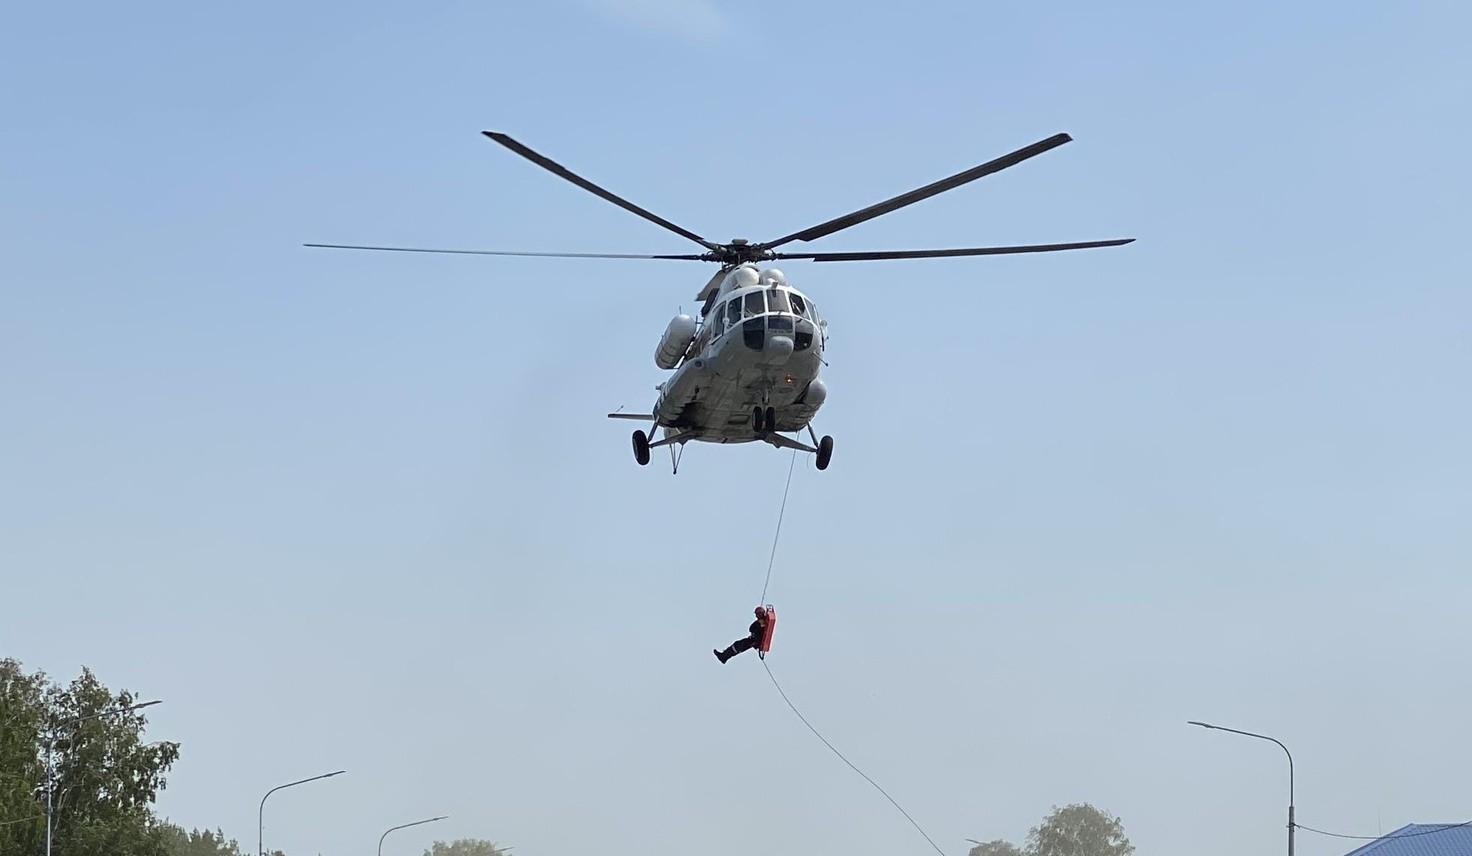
x,y
723,656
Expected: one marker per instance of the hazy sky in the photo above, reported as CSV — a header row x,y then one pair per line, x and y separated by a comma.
x,y
363,511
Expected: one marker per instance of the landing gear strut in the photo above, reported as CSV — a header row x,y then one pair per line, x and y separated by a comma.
x,y
763,420
641,447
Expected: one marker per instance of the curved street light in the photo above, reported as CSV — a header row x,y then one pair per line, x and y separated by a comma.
x,y
261,815
51,742
1291,823
406,826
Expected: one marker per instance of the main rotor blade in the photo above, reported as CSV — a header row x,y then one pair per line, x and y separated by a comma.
x,y
558,169
925,192
939,254
690,257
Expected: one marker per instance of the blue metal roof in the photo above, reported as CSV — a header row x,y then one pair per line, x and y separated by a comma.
x,y
1421,839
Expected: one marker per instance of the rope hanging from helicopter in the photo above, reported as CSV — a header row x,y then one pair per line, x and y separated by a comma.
x,y
781,513
771,561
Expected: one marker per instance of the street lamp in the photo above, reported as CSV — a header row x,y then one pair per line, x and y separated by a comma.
x,y
406,826
51,742
261,815
1291,824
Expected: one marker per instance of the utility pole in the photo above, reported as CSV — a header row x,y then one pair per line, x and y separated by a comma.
x,y
261,814
1292,825
405,826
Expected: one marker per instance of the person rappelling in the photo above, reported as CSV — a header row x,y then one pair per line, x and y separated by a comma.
x,y
759,635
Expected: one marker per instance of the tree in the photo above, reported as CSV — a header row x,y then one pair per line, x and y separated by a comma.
x,y
106,778
21,707
205,843
1074,830
467,847
996,848
1079,830
200,843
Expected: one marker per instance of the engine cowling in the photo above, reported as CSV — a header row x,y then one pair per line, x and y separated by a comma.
x,y
675,342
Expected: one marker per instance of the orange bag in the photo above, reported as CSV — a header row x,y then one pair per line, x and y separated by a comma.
x,y
765,644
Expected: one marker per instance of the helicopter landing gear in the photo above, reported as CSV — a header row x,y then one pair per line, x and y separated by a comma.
x,y
763,419
771,421
823,448
641,447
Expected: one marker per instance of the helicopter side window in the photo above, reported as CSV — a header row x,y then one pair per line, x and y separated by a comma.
x,y
754,304
733,311
799,307
717,324
777,300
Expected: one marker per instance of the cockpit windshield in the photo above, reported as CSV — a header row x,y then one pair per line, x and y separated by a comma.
x,y
754,304
777,300
799,306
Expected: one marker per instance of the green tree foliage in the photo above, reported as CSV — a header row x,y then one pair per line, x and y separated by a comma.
x,y
1074,830
996,848
205,843
106,776
1079,830
21,706
200,843
466,847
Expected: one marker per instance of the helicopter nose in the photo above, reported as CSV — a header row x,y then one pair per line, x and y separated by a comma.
x,y
778,349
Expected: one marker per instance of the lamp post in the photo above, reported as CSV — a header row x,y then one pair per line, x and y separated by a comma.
x,y
261,815
50,765
1291,824
406,826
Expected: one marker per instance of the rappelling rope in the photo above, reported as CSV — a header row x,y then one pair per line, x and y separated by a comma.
x,y
771,560
851,765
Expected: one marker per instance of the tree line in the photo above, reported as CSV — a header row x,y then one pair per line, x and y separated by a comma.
x,y
104,777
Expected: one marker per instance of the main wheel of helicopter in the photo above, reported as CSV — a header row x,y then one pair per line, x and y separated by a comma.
x,y
641,447
825,452
758,419
770,421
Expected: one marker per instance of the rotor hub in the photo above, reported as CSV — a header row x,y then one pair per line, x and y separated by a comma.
x,y
739,251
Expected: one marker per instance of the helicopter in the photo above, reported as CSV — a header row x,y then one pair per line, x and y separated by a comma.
x,y
747,369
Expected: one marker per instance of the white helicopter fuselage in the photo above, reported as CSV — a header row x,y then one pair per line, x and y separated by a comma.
x,y
758,347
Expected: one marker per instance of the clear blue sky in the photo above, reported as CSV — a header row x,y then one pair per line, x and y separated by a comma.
x,y
364,511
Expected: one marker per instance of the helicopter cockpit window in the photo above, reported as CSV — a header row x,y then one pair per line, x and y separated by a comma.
x,y
754,304
777,300
799,307
733,311
717,324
